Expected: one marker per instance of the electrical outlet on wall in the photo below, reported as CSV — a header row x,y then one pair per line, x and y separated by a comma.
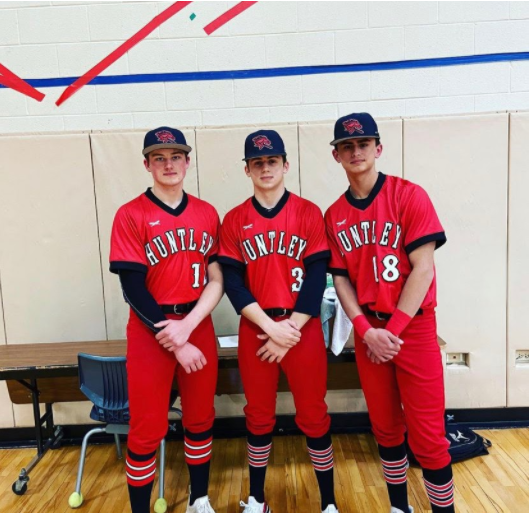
x,y
457,359
521,357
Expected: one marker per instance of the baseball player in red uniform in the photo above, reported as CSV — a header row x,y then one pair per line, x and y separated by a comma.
x,y
164,247
382,234
274,254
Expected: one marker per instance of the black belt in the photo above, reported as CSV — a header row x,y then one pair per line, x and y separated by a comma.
x,y
278,312
183,308
382,316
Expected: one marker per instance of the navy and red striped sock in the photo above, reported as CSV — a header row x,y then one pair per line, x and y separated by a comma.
x,y
440,489
321,453
198,453
259,448
395,465
140,471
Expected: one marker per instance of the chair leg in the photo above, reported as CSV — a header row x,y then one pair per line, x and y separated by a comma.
x,y
83,455
162,468
118,446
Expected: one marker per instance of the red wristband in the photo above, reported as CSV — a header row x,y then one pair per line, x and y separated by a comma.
x,y
361,325
398,322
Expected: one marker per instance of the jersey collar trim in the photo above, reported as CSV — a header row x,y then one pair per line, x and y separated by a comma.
x,y
273,212
173,211
363,204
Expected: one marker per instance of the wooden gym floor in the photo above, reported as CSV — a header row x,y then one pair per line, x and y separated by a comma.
x,y
493,483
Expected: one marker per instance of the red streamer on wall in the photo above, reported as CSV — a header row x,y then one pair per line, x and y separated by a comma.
x,y
121,50
227,16
9,79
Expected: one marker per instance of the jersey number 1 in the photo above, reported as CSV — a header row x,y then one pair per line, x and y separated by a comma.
x,y
391,272
196,275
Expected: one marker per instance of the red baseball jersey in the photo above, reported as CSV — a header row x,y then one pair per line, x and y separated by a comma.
x,y
370,240
173,246
275,246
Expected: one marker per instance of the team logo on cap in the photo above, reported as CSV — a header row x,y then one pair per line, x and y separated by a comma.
x,y
165,136
352,125
262,141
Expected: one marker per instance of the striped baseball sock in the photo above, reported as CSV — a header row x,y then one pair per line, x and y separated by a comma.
x,y
259,449
395,464
321,454
439,486
197,454
140,470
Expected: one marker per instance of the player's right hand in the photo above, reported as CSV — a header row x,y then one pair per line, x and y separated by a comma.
x,y
382,344
190,357
285,333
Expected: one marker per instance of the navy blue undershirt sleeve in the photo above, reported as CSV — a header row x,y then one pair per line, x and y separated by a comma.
x,y
140,299
235,288
312,291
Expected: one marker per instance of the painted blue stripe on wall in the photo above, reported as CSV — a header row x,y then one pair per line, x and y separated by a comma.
x,y
283,72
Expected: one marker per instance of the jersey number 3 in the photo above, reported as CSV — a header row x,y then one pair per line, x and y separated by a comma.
x,y
297,273
391,272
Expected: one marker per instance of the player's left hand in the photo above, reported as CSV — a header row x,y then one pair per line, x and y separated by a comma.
x,y
373,358
174,335
272,352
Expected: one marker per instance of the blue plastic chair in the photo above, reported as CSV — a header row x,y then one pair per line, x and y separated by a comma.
x,y
104,381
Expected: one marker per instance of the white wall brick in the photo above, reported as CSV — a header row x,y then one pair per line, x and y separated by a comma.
x,y
518,10
378,109
228,53
475,79
22,5
404,83
82,102
53,25
393,14
373,45
308,49
215,94
519,76
265,18
219,117
98,122
8,27
440,106
265,92
30,61
501,102
431,41
314,16
501,36
118,22
131,98
12,103
289,114
336,87
180,25
149,120
166,56
458,12
77,58
31,124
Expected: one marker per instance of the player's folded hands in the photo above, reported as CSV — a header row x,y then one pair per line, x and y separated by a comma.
x,y
174,335
190,357
382,345
272,352
284,333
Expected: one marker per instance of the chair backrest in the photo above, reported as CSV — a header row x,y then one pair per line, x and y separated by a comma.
x,y
103,380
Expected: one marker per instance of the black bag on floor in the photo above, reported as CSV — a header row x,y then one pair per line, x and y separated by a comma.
x,y
464,444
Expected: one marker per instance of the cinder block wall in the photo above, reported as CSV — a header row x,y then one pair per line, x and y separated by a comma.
x,y
59,194
66,39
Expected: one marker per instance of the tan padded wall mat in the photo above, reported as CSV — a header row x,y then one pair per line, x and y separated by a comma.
x,y
462,162
322,179
518,259
223,183
6,412
120,176
51,271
